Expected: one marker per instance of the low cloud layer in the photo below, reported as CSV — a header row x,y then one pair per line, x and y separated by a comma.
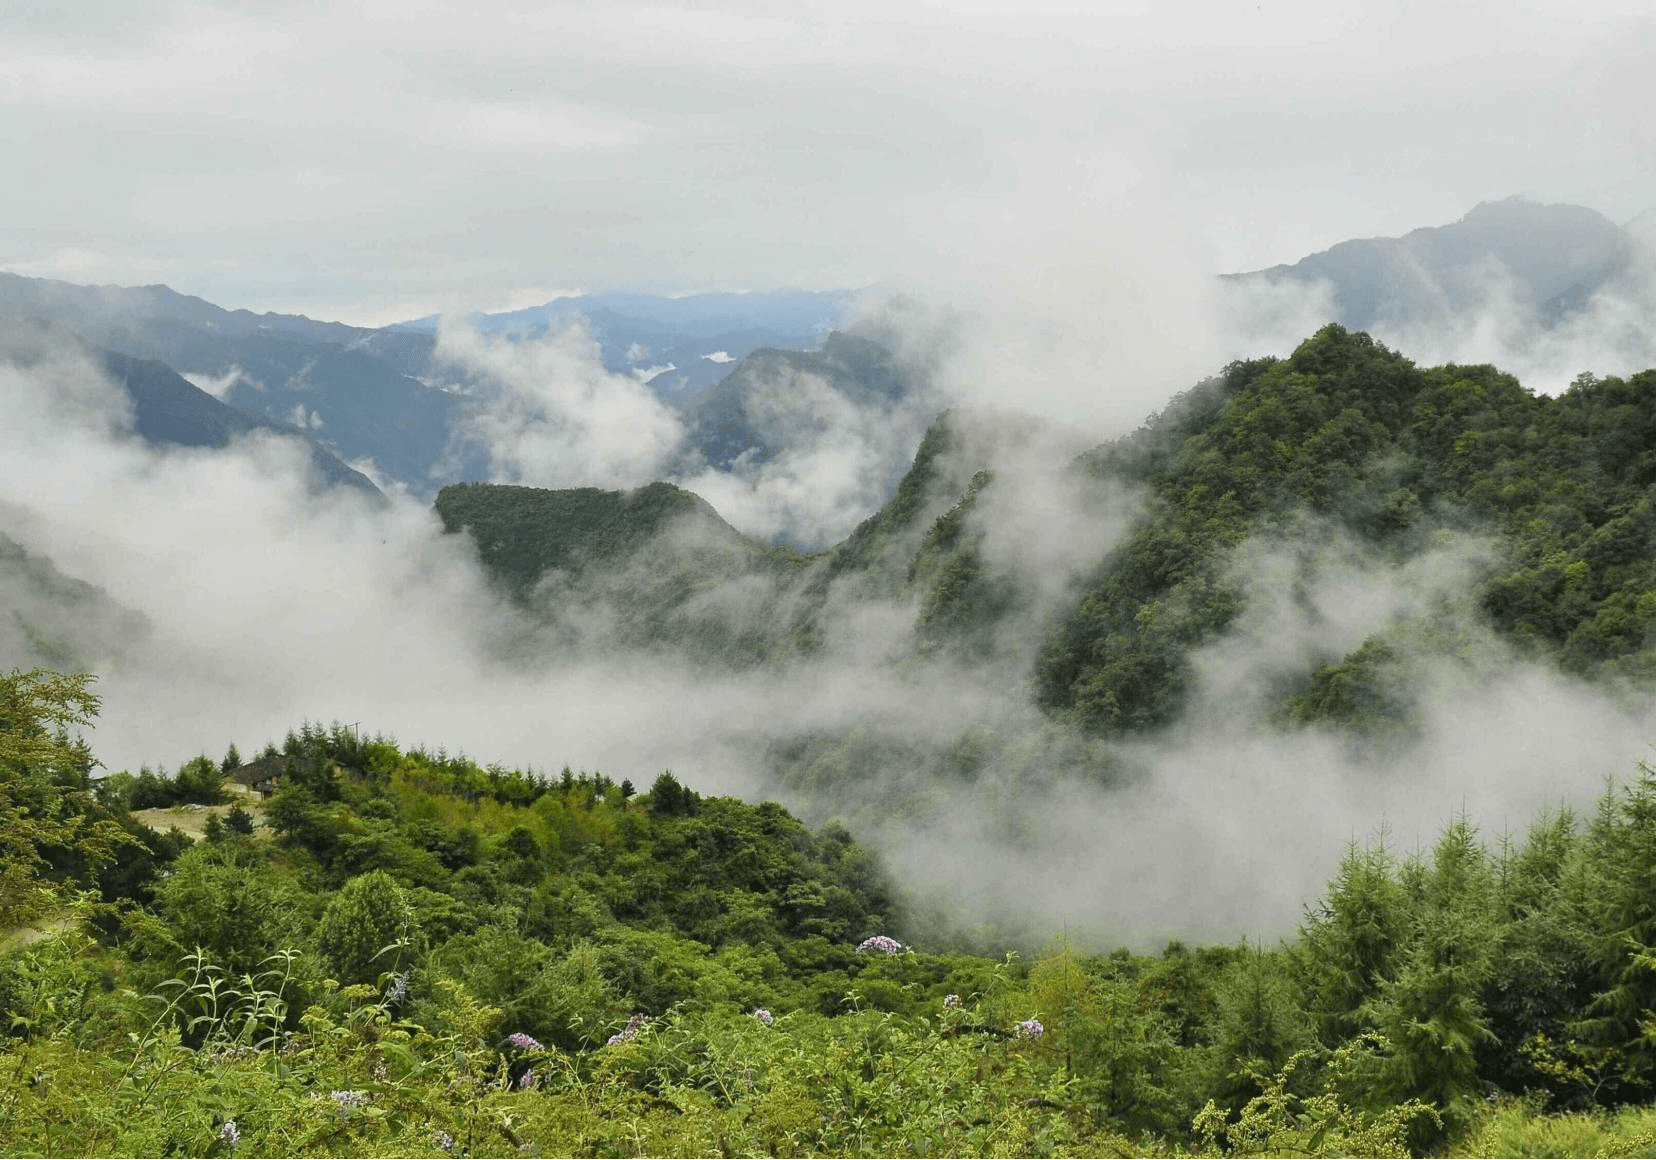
x,y
270,603
838,459
547,414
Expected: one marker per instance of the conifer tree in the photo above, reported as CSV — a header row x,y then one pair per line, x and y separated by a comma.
x,y
1621,871
1260,1022
1430,1011
1350,940
238,820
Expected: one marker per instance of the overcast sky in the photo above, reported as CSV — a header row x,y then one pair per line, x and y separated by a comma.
x,y
379,161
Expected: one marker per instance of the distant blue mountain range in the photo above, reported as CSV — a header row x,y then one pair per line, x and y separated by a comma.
x,y
669,341
379,395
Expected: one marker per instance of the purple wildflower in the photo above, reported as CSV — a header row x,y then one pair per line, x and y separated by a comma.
x,y
1028,1029
526,1042
881,943
764,1016
951,1002
445,1143
633,1027
229,1133
529,1081
348,1099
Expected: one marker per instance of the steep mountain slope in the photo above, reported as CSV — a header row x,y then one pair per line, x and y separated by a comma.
x,y
1546,258
358,389
1346,439
523,533
1520,525
382,395
166,409
653,568
765,401
50,620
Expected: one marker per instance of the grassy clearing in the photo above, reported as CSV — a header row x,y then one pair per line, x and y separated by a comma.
x,y
192,819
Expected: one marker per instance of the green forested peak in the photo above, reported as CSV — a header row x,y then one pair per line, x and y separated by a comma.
x,y
1351,433
522,533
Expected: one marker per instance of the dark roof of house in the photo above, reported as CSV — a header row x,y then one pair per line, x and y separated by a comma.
x,y
260,772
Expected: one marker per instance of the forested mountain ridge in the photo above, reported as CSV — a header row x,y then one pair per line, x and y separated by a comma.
x,y
1348,432
1389,459
680,576
647,567
522,533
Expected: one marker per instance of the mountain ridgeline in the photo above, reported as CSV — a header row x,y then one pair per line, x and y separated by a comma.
x,y
524,533
1550,260
1397,458
1344,445
167,409
389,395
757,410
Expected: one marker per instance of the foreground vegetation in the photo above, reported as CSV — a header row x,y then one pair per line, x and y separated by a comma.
x,y
419,956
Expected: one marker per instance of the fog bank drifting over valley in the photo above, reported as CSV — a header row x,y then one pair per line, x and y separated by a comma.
x,y
271,602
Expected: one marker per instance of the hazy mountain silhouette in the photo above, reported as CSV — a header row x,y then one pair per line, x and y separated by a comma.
x,y
1550,259
166,408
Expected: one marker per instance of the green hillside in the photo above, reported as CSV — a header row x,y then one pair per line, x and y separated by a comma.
x,y
1350,435
1344,441
523,533
656,566
1522,521
418,955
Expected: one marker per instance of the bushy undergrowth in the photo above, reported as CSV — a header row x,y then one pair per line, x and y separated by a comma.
x,y
206,1064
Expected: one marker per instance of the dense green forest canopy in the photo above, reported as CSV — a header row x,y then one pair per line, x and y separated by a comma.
x,y
1349,432
522,533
